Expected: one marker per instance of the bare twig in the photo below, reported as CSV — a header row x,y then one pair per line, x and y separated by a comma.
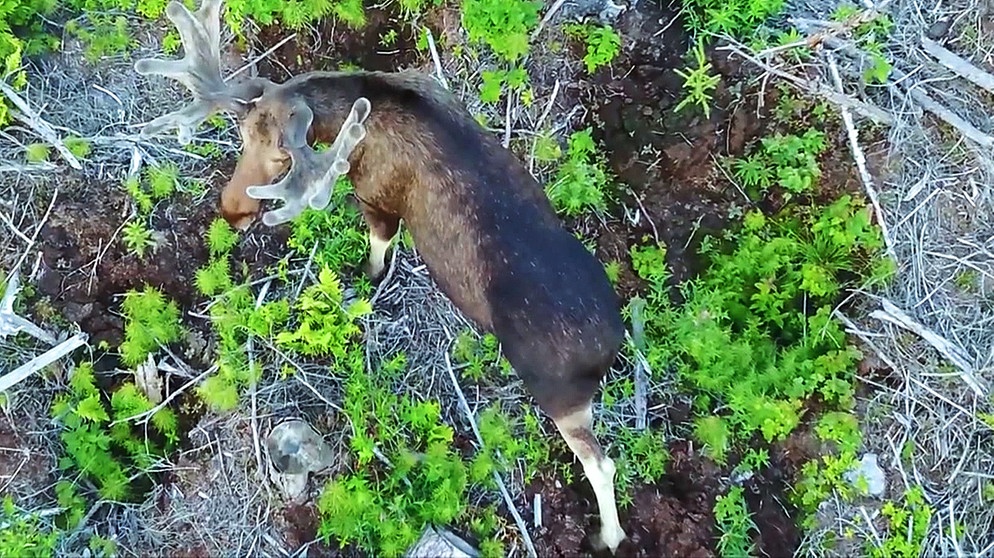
x,y
541,121
959,65
641,382
500,482
860,159
547,17
891,313
261,57
436,59
860,107
21,373
43,129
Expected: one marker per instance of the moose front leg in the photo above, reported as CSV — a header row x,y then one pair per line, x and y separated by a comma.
x,y
383,228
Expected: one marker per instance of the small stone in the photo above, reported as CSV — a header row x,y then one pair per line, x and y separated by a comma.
x,y
938,29
441,543
870,471
295,448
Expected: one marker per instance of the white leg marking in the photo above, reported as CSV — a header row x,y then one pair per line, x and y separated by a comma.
x,y
599,470
377,253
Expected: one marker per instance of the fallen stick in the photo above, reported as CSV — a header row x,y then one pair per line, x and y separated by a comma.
x,y
21,373
924,100
958,65
44,129
860,159
641,382
500,482
862,108
954,353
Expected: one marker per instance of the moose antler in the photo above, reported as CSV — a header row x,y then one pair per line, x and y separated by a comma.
x,y
199,70
312,175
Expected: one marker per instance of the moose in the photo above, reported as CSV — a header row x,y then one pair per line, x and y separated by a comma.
x,y
481,222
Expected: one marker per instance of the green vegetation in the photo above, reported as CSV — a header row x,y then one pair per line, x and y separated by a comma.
x,y
99,440
582,182
907,524
150,320
503,25
735,524
21,34
698,82
22,534
737,18
602,44
137,237
788,161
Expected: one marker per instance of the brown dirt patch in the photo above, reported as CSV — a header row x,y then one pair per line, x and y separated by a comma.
x,y
332,44
84,273
672,518
24,470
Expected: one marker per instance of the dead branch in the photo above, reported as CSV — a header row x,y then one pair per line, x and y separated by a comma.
x,y
44,130
889,312
958,65
38,363
479,439
862,108
860,159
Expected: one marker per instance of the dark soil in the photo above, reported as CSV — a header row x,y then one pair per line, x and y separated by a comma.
x,y
84,274
332,45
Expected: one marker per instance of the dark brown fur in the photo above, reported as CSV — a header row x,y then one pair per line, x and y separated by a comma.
x,y
481,222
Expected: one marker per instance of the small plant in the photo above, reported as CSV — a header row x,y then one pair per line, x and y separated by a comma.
x,y
103,35
582,181
602,42
738,18
22,534
99,440
481,356
149,321
326,324
494,81
698,83
788,161
908,524
731,515
79,147
36,152
504,25
221,238
137,237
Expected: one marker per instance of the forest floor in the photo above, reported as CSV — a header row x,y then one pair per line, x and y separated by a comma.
x,y
921,387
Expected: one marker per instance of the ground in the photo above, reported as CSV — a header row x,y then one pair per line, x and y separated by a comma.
x,y
216,495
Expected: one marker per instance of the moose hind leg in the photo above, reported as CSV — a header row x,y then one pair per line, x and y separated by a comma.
x,y
382,229
577,429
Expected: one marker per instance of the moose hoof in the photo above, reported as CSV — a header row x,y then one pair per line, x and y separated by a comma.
x,y
607,542
375,273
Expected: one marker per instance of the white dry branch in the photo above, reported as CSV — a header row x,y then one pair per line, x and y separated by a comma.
x,y
889,312
959,65
10,322
44,130
860,159
522,527
637,339
38,363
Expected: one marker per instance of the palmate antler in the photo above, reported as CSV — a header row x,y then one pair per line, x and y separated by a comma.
x,y
200,71
312,175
